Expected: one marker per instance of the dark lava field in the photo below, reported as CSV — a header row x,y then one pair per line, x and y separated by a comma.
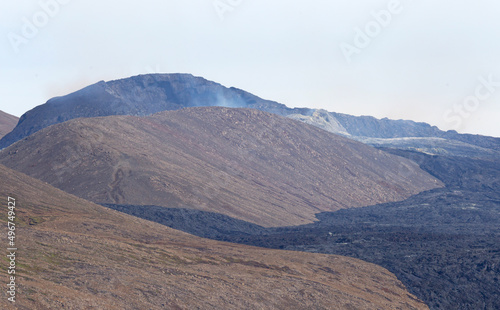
x,y
443,244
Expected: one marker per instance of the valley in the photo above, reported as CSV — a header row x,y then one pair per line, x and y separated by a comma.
x,y
444,244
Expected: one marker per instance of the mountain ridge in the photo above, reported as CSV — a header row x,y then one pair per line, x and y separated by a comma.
x,y
245,163
383,132
138,95
152,93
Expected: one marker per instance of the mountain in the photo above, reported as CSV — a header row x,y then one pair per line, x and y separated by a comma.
x,y
7,123
73,254
403,134
251,165
148,94
139,95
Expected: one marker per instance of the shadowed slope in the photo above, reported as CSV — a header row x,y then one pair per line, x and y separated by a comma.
x,y
77,255
247,164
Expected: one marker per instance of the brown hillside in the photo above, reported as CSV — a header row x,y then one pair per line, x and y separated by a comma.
x,y
244,163
7,123
73,254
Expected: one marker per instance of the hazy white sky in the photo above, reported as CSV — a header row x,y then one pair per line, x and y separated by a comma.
x,y
425,60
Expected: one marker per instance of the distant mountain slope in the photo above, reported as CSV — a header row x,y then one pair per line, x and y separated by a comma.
x,y
403,134
73,254
7,123
244,163
152,93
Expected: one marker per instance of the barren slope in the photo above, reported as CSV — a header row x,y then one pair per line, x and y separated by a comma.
x,y
7,123
77,255
251,165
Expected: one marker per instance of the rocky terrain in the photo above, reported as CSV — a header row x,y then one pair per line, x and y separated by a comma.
x,y
251,165
148,94
7,123
77,255
444,244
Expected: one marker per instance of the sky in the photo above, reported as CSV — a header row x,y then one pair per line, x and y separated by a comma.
x,y
428,61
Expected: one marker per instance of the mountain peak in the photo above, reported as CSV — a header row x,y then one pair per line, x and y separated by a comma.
x,y
138,95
